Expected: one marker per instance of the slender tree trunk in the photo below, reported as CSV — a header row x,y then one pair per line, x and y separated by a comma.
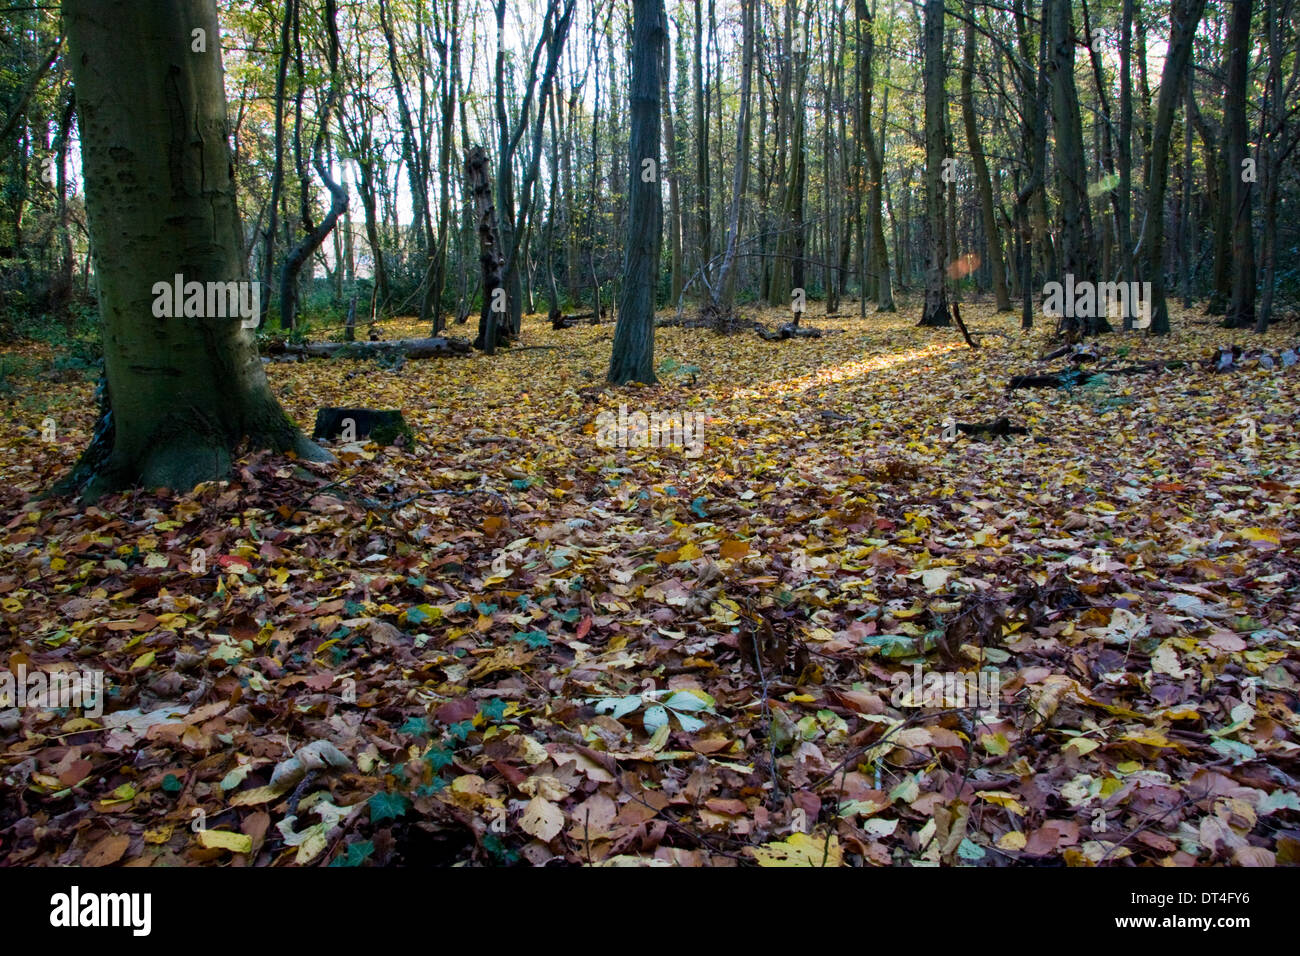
x,y
875,150
61,274
417,175
449,57
302,252
632,358
277,173
548,254
1186,239
672,172
936,313
724,297
1185,16
572,267
789,237
980,166
492,318
1279,140
1077,257
1124,198
1241,183
703,199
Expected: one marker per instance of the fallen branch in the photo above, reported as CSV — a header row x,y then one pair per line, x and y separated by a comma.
x,y
561,321
1070,377
999,427
788,330
408,348
956,314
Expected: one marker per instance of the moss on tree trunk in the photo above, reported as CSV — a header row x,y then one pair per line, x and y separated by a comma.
x,y
186,393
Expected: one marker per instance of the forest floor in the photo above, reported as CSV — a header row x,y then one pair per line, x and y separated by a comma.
x,y
616,655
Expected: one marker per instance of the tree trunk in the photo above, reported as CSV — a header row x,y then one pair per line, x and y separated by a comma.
x,y
980,166
672,172
1184,17
277,173
183,393
632,359
417,175
1125,196
1280,138
936,313
1241,186
875,221
450,50
724,297
1077,256
492,318
702,197
302,252
436,347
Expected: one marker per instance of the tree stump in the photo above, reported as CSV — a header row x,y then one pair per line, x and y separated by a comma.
x,y
382,426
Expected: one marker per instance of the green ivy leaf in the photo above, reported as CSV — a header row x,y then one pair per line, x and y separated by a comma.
x,y
357,853
388,806
414,725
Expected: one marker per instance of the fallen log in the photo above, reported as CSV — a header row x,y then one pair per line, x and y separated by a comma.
x,y
1070,377
789,330
1078,354
407,348
1052,380
561,321
999,428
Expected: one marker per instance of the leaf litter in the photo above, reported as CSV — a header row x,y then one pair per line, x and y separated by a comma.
x,y
509,644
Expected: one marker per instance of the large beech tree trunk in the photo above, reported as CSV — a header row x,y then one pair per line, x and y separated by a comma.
x,y
183,394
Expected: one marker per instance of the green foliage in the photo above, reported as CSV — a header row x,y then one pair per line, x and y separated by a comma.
x,y
670,366
389,432
355,854
682,704
499,851
417,726
388,806
10,368
534,639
